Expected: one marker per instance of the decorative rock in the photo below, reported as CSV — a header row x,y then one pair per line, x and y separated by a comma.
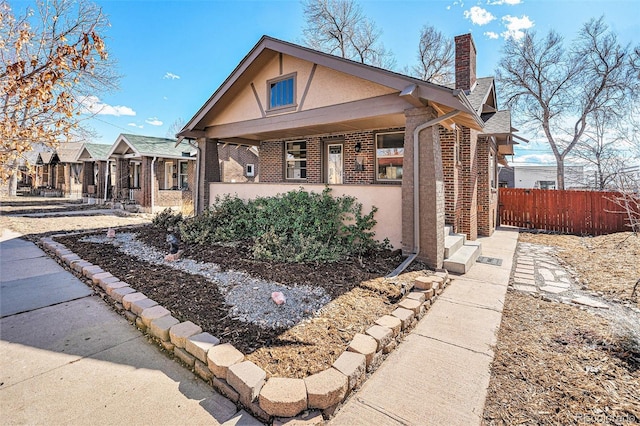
x,y
77,266
153,313
283,397
184,356
180,332
365,345
137,306
392,323
390,347
130,316
141,325
278,298
96,278
160,327
132,297
312,418
221,357
90,270
353,366
168,346
199,344
202,370
416,295
104,282
247,379
326,388
412,305
119,293
223,387
70,258
423,283
375,362
404,315
112,286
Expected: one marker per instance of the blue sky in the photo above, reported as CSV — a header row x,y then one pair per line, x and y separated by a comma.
x,y
174,54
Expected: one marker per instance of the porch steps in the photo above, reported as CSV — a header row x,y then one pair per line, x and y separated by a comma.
x,y
460,254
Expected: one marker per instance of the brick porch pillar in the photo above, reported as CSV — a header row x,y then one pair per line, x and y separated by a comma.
x,y
209,170
431,189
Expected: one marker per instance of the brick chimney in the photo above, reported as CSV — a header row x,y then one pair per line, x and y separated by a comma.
x,y
465,62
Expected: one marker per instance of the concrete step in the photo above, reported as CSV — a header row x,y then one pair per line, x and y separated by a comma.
x,y
464,258
447,230
452,243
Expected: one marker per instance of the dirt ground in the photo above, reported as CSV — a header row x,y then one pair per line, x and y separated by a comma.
x,y
560,364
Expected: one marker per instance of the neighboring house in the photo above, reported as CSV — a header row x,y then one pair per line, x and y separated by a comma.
x,y
153,172
68,171
545,177
96,181
422,153
238,163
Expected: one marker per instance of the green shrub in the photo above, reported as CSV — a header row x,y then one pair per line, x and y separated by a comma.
x,y
298,226
167,219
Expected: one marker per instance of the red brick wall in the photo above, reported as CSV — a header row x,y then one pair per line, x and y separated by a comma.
x,y
465,65
272,157
487,196
469,182
233,162
452,184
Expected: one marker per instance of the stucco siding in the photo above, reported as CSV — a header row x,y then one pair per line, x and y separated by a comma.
x,y
388,200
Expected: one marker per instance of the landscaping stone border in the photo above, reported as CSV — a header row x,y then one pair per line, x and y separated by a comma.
x,y
225,368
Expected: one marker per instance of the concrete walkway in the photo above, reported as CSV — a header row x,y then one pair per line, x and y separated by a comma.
x,y
440,372
67,358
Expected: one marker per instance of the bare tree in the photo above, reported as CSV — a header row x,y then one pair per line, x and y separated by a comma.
x,y
175,127
560,90
53,59
339,27
603,148
435,57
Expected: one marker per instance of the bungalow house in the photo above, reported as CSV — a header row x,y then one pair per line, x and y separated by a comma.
x,y
422,153
154,173
69,170
96,182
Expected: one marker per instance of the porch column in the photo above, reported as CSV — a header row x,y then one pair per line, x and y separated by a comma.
x,y
100,183
209,170
122,177
431,189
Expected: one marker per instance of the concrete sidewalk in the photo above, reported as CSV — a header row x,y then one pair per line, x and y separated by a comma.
x,y
440,373
67,358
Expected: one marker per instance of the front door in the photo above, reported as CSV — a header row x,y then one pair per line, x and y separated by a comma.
x,y
335,164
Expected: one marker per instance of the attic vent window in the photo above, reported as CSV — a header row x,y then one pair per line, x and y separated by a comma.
x,y
186,154
282,92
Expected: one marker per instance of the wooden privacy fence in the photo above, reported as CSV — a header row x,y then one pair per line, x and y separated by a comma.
x,y
567,212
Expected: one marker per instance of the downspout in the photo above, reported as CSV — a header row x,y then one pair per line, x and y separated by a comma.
x,y
106,180
416,191
153,179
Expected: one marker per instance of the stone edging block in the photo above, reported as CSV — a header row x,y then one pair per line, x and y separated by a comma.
x,y
224,367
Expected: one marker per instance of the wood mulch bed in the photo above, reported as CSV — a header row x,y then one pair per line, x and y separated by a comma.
x,y
359,296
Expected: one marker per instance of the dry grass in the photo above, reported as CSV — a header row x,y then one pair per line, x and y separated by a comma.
x,y
557,364
609,264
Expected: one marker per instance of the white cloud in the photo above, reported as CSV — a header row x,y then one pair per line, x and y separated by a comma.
x,y
93,105
136,125
171,76
492,35
515,26
535,159
499,2
478,15
153,121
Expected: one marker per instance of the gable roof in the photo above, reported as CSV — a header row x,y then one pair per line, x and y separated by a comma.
x,y
483,93
69,152
414,91
136,146
94,152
